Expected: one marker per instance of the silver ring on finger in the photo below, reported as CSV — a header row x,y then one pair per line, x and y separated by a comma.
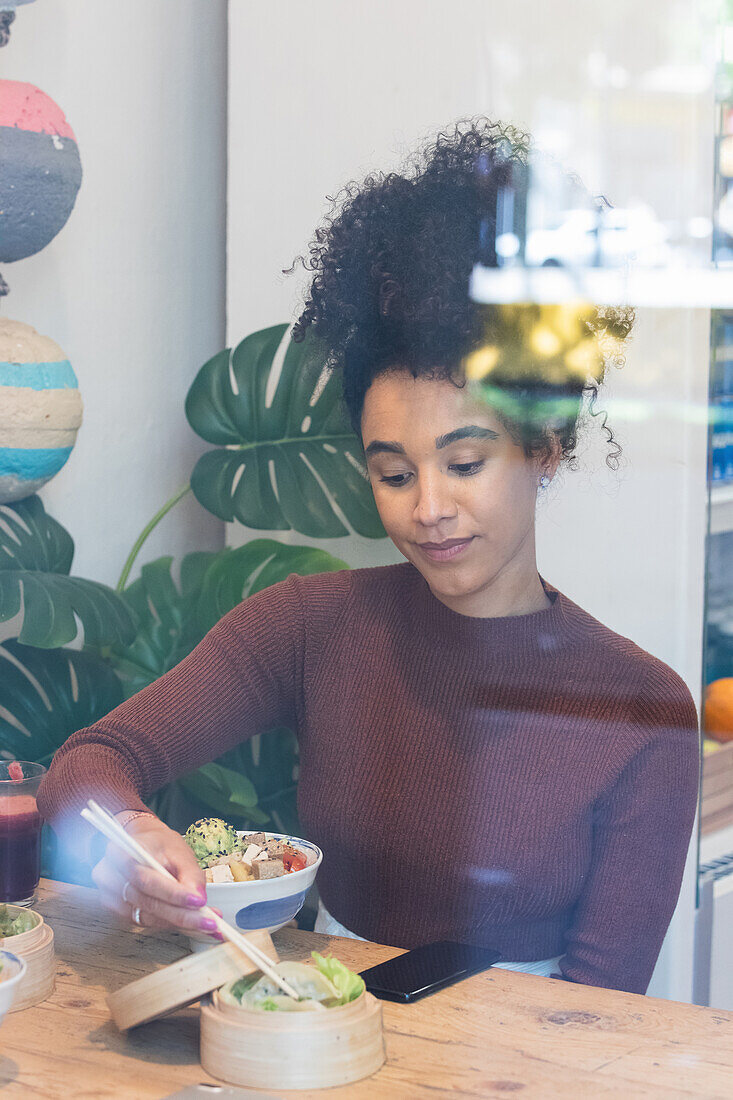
x,y
136,916
125,888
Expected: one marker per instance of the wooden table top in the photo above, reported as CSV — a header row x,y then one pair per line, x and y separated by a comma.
x,y
495,1034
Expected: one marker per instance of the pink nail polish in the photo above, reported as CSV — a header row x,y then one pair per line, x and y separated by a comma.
x,y
208,925
195,901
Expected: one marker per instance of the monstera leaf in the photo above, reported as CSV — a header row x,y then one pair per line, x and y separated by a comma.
x,y
291,462
47,695
250,786
172,618
224,792
270,760
233,575
166,614
35,558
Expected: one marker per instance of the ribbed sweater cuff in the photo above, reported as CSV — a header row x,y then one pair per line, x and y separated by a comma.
x,y
90,772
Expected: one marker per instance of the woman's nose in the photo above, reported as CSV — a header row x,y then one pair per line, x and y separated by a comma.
x,y
435,501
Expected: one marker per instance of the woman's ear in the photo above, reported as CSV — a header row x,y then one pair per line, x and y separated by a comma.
x,y
548,462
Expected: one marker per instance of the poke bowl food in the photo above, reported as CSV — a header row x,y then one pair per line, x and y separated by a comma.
x,y
12,972
258,880
253,1034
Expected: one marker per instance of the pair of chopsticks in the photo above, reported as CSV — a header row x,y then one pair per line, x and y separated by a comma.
x,y
105,823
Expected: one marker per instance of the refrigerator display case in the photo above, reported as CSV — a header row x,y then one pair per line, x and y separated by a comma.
x,y
714,957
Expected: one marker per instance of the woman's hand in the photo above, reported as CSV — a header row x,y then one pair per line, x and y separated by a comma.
x,y
141,895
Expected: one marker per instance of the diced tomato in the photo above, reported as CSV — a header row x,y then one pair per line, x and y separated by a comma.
x,y
15,772
293,860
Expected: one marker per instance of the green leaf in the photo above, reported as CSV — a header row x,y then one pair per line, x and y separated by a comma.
x,y
50,603
270,760
35,557
296,464
47,695
233,575
166,616
349,985
223,791
31,539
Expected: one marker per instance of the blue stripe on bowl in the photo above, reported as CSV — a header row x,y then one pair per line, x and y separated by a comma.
x,y
261,914
39,376
33,462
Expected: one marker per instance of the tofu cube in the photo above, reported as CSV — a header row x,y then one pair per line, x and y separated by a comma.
x,y
222,873
275,848
268,868
255,838
251,852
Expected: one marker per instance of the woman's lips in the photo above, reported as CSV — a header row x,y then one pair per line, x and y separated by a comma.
x,y
444,551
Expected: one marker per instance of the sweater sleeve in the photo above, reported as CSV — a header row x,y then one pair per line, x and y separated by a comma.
x,y
641,833
242,679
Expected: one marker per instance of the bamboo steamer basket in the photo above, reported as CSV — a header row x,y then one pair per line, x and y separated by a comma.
x,y
184,982
35,947
292,1050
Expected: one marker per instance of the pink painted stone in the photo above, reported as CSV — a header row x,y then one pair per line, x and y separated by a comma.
x,y
28,108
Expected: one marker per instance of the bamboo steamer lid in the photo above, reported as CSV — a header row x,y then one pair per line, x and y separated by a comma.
x,y
292,1050
36,948
184,982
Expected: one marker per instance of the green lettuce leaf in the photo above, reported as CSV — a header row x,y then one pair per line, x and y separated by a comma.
x,y
239,988
349,985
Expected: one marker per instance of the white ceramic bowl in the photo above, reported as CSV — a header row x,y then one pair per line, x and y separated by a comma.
x,y
268,904
11,976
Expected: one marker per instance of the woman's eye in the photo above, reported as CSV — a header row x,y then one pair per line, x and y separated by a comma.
x,y
466,469
395,479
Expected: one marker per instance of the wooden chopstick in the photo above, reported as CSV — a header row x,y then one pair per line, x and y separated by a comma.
x,y
112,829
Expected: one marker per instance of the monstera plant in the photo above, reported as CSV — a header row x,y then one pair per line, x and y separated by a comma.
x,y
291,459
285,459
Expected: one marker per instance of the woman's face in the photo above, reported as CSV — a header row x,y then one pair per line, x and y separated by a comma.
x,y
454,491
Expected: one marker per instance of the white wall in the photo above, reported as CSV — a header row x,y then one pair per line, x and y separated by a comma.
x,y
322,92
133,286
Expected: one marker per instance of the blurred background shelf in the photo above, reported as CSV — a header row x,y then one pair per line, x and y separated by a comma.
x,y
721,509
716,806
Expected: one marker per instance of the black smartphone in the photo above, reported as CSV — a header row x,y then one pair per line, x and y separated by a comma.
x,y
427,968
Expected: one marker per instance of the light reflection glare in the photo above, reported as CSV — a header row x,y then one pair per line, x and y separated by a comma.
x,y
495,876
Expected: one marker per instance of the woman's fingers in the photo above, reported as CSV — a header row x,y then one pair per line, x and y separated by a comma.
x,y
175,894
171,850
111,886
183,865
157,913
133,890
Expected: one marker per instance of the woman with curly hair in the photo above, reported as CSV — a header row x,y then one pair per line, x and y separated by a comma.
x,y
481,760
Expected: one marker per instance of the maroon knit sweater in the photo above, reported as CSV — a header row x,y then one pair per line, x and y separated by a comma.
x,y
525,782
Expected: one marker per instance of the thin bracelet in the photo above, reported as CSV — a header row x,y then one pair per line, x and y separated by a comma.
x,y
132,814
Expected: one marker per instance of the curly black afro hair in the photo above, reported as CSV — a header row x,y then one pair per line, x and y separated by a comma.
x,y
391,267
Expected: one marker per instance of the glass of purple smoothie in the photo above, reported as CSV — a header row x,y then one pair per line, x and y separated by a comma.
x,y
20,831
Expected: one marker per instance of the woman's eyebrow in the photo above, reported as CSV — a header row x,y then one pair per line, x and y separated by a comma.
x,y
378,446
471,431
